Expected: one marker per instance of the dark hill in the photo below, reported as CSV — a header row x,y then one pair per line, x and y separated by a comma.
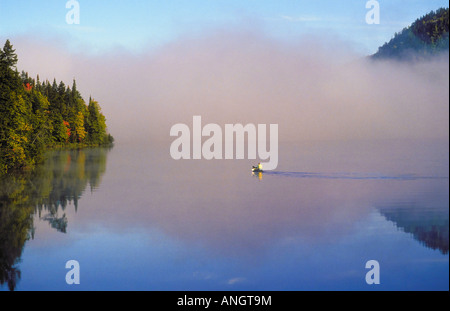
x,y
425,37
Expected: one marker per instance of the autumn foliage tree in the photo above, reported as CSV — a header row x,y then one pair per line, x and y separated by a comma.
x,y
36,116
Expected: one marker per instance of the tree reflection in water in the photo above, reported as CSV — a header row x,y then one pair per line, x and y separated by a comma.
x,y
46,192
428,226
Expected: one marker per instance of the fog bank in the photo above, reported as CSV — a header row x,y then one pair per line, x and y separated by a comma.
x,y
313,89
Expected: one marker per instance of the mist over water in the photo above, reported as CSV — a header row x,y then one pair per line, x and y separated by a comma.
x,y
362,171
315,89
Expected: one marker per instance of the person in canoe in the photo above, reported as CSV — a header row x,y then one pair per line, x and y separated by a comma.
x,y
257,168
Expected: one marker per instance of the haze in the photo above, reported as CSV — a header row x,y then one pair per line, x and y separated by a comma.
x,y
314,88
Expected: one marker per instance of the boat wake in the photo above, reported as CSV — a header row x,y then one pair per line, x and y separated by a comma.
x,y
352,175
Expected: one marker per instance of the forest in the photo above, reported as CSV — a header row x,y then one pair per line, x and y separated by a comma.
x,y
39,116
425,37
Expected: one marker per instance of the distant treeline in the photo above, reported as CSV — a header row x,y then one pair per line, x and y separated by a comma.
x,y
427,36
36,116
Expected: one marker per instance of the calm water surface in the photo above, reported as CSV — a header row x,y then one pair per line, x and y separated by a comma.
x,y
137,220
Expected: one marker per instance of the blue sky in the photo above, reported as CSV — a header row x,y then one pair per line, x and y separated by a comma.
x,y
136,24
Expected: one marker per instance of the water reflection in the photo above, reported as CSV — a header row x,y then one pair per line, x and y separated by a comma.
x,y
231,213
259,175
428,226
46,192
177,213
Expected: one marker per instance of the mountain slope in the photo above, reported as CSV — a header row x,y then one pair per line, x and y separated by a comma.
x,y
427,36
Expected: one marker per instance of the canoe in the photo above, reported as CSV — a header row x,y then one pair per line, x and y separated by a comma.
x,y
256,170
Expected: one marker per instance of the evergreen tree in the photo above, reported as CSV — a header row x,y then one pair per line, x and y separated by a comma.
x,y
8,56
96,123
12,111
35,116
427,36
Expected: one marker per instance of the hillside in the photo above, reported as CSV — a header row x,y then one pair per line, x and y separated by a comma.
x,y
427,36
35,117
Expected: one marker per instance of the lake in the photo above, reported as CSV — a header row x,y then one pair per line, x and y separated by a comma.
x,y
135,219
